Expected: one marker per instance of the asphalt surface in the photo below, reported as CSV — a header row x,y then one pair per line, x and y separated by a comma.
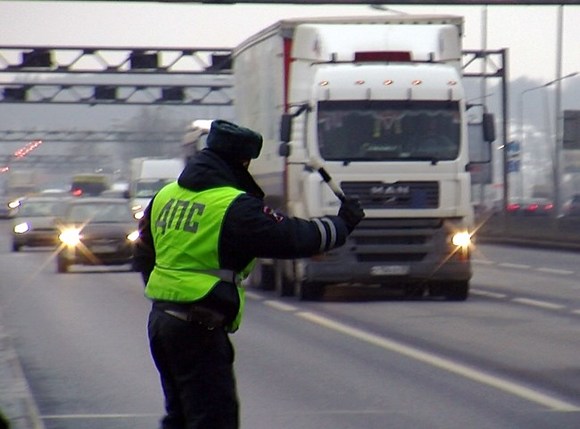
x,y
16,401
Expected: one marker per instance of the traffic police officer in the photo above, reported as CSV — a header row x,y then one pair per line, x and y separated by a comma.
x,y
198,238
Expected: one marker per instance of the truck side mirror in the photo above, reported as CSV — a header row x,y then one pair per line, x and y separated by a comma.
x,y
286,127
284,149
488,124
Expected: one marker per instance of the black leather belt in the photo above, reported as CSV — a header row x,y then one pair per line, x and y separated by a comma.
x,y
204,316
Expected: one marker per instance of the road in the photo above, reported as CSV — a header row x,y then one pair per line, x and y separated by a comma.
x,y
505,358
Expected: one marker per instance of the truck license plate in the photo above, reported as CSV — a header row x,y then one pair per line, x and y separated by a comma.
x,y
389,270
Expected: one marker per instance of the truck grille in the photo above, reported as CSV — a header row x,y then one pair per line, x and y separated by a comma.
x,y
397,195
395,240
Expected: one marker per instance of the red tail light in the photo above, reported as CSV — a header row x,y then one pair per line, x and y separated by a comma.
x,y
533,207
512,207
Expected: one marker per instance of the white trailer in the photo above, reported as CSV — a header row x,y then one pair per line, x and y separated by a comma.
x,y
380,102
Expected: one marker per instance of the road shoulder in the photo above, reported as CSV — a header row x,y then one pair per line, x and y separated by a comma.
x,y
16,400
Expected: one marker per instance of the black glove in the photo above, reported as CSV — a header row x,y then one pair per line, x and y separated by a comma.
x,y
351,212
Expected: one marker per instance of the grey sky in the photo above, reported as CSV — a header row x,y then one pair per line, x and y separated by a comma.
x,y
529,32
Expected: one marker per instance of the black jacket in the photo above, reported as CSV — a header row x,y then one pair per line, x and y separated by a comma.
x,y
250,229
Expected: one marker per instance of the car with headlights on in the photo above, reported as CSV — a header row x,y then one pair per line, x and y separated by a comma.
x,y
9,206
96,231
33,223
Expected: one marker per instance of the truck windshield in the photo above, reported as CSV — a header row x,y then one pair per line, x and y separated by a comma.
x,y
388,130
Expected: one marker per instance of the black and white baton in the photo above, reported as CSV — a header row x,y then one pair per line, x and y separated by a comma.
x,y
317,165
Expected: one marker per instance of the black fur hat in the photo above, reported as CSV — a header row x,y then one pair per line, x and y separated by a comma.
x,y
233,141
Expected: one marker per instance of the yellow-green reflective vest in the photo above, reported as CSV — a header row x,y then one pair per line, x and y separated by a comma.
x,y
186,227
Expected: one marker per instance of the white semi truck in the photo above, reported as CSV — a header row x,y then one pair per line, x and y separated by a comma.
x,y
379,102
149,175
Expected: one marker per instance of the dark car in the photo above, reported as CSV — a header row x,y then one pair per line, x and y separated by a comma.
x,y
96,231
572,206
33,223
530,207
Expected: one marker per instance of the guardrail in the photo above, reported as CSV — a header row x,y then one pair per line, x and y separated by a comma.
x,y
560,233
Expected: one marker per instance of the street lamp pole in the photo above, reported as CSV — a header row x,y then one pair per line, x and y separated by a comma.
x,y
521,133
558,111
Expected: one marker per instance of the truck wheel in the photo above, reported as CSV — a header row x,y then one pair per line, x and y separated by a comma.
x,y
415,291
262,277
282,285
310,291
61,265
267,280
457,291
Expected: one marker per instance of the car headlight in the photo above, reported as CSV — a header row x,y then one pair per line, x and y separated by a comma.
x,y
133,236
14,204
21,228
70,237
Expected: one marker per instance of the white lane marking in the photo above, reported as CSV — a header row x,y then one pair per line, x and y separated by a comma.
x,y
483,261
446,364
546,270
488,294
576,311
280,305
510,265
538,303
95,416
554,271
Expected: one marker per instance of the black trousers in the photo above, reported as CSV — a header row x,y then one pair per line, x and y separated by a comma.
x,y
197,375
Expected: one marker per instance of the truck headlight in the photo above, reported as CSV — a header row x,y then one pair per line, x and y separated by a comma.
x,y
461,239
14,204
70,237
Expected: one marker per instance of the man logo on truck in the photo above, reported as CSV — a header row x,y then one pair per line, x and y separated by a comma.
x,y
390,190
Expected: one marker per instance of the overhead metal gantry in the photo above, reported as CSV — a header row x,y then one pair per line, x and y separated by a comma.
x,y
202,76
91,75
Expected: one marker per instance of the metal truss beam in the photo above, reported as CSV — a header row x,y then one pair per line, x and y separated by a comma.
x,y
494,61
91,75
15,136
111,60
117,94
56,161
